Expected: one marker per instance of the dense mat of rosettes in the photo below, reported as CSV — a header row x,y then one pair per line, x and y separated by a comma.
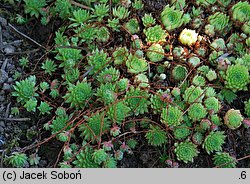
x,y
125,72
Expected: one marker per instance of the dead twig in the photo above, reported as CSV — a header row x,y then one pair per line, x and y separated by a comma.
x,y
15,119
25,36
80,5
22,53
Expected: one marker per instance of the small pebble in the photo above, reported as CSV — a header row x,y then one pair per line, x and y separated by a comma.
x,y
10,67
2,124
3,76
3,22
42,163
6,87
10,80
1,130
9,49
2,142
2,98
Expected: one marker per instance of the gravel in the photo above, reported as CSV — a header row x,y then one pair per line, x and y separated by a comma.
x,y
3,76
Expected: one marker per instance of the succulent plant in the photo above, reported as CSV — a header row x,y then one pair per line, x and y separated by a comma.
x,y
97,61
23,62
199,80
100,11
87,33
235,43
44,108
246,28
106,93
155,53
18,159
224,160
80,16
103,34
215,119
96,126
142,80
203,126
197,138
218,44
179,4
245,61
60,122
122,84
214,55
34,8
148,20
71,75
69,56
30,105
118,112
209,92
172,18
188,37
248,41
247,108
25,89
209,30
179,72
212,104
137,44
214,141
181,132
201,51
205,2
155,34
132,143
156,136
179,52
220,21
194,61
34,159
186,151
78,94
241,11
120,55
132,26
110,163
85,159
120,12
114,24
63,8
157,101
211,75
136,65
137,100
99,156
193,94
237,77
196,23
196,112
109,75
176,92
203,69
233,119
138,4
171,116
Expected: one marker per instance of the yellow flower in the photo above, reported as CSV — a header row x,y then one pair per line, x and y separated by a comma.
x,y
188,37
